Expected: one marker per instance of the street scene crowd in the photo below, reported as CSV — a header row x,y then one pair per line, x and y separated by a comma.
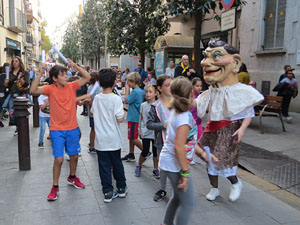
x,y
163,112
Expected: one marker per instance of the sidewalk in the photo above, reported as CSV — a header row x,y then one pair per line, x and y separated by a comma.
x,y
23,194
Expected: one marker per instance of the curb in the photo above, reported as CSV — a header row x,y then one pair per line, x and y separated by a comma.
x,y
269,188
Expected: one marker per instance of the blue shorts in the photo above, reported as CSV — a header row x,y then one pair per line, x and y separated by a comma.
x,y
65,139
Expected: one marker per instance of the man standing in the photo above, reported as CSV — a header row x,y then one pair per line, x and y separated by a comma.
x,y
184,69
171,69
141,71
286,68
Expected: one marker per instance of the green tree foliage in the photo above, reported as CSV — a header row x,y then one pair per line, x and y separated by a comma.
x,y
71,44
197,9
92,30
45,38
133,26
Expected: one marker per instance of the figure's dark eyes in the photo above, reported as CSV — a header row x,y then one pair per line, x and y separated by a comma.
x,y
217,55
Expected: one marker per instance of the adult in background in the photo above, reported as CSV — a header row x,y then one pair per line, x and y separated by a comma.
x,y
142,72
170,71
17,84
286,68
83,91
287,88
184,69
244,76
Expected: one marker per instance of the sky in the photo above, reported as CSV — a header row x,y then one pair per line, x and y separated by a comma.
x,y
56,11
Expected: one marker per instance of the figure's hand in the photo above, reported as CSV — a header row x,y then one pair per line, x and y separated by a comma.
x,y
205,158
239,133
183,183
166,125
188,73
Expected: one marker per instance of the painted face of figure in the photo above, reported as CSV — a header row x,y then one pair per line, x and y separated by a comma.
x,y
220,68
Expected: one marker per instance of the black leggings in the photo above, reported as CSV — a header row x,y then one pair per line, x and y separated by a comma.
x,y
146,147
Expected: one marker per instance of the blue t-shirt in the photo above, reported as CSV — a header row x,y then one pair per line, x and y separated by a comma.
x,y
143,74
135,99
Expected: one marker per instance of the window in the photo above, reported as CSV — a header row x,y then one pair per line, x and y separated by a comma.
x,y
274,23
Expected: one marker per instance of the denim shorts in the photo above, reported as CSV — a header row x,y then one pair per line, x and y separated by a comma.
x,y
65,140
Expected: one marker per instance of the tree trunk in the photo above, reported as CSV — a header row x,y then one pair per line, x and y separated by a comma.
x,y
197,39
197,49
142,55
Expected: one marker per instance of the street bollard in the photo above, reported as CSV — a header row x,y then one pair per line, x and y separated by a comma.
x,y
21,105
35,111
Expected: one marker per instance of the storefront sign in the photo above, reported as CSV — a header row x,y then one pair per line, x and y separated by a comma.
x,y
13,44
159,63
228,20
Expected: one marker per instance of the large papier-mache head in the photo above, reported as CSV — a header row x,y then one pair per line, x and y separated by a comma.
x,y
221,64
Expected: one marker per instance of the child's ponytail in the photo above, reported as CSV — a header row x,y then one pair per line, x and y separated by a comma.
x,y
181,90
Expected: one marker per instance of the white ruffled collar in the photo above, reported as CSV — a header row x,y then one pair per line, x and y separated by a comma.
x,y
225,102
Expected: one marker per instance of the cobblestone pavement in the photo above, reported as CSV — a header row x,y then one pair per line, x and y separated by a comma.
x,y
23,194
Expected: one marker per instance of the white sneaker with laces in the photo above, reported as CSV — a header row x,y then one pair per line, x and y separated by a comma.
x,y
235,191
214,192
289,119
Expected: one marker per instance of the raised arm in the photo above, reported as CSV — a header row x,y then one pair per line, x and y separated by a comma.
x,y
85,75
35,89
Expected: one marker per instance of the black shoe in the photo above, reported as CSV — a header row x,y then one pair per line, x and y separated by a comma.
x,y
109,196
122,192
41,145
129,157
16,132
82,113
159,195
92,150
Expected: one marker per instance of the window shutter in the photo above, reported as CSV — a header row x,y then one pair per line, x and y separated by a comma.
x,y
281,13
274,23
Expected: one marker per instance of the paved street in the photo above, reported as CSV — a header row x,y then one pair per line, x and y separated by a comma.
x,y
23,194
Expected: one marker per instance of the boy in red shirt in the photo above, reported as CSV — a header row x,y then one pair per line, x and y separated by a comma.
x,y
64,129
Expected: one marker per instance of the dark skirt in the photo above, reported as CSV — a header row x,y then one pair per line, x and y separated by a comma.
x,y
223,145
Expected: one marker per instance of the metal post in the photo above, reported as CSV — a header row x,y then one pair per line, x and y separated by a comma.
x,y
21,105
35,111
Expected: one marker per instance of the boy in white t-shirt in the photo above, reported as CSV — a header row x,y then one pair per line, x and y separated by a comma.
x,y
44,118
108,112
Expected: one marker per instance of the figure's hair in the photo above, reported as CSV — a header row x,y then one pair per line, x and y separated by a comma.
x,y
22,67
195,80
153,74
134,77
55,70
94,77
107,78
243,68
181,89
286,66
126,69
219,43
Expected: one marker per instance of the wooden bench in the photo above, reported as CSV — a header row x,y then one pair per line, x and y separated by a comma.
x,y
270,107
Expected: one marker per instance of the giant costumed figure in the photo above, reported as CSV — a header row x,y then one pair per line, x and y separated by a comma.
x,y
230,109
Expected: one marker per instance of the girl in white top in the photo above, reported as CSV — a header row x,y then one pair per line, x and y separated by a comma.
x,y
178,151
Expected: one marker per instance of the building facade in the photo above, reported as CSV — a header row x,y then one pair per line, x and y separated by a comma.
x,y
12,30
269,39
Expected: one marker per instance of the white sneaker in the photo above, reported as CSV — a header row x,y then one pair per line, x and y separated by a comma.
x,y
289,119
214,192
235,191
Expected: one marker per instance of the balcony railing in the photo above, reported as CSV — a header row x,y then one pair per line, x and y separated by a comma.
x,y
17,20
